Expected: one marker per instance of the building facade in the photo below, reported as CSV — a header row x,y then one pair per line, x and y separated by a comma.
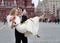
x,y
42,8
7,5
50,7
39,8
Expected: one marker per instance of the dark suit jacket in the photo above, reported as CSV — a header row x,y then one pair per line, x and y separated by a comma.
x,y
24,18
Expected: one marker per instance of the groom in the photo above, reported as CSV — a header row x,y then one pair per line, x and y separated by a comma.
x,y
20,36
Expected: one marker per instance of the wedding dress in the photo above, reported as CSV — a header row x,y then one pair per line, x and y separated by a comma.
x,y
30,26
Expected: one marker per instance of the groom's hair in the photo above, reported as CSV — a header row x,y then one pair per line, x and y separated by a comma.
x,y
21,8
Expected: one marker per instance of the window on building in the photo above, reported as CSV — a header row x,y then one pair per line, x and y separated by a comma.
x,y
21,3
2,14
8,4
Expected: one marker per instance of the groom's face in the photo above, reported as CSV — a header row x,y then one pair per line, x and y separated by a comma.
x,y
19,11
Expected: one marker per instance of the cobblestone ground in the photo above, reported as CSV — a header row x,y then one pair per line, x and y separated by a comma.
x,y
49,33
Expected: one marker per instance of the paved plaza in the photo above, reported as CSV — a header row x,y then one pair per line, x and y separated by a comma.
x,y
49,33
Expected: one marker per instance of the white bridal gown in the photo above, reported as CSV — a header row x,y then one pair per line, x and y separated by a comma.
x,y
31,25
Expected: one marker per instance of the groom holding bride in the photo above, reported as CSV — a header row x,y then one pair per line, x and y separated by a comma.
x,y
18,35
23,25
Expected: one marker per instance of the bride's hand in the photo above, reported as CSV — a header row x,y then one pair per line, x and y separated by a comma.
x,y
42,17
0,28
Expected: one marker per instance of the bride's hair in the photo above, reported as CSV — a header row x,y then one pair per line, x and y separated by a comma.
x,y
12,12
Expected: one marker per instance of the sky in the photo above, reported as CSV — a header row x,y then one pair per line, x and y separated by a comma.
x,y
36,2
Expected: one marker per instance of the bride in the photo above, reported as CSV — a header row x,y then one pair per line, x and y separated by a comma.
x,y
30,26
